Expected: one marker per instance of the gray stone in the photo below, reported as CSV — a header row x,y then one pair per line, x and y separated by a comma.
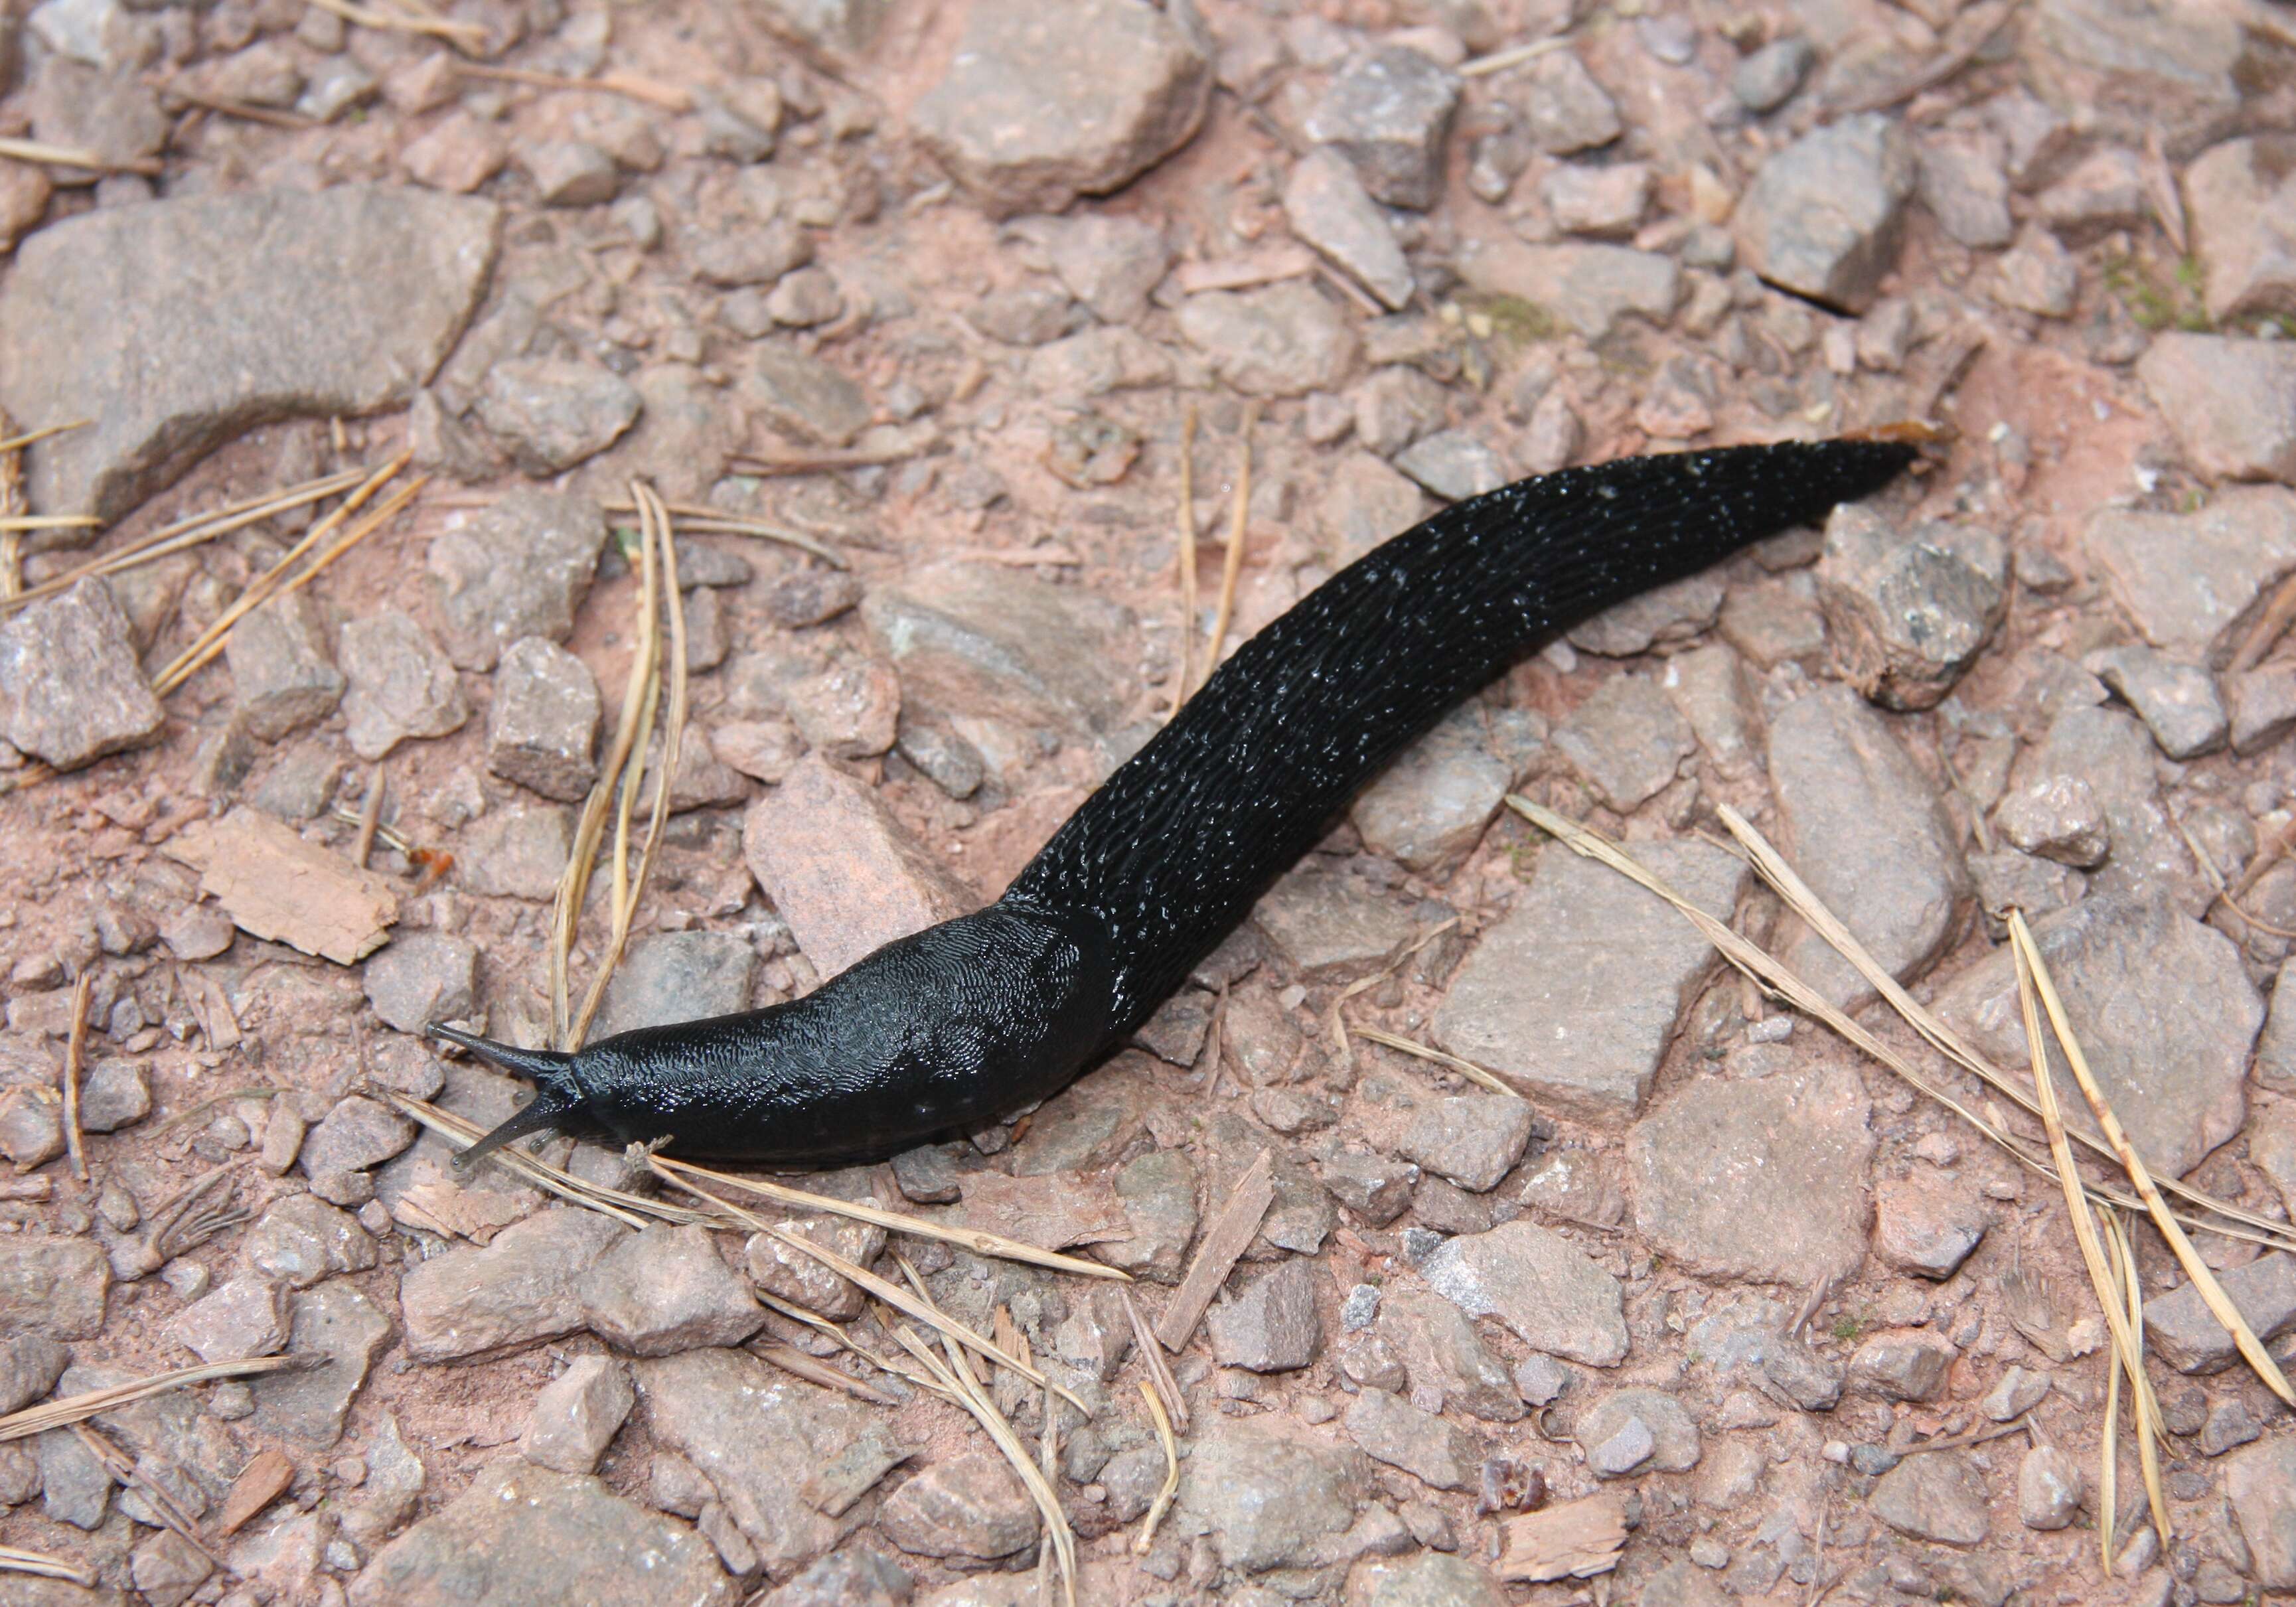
x,y
1272,1326
166,1568
778,1267
522,1286
1902,1364
29,1366
2164,1011
31,1129
1708,684
1389,112
1766,79
71,690
1328,925
1038,108
751,254
848,710
1584,286
1269,1496
968,1505
1330,209
1763,1179
2049,1485
1158,1193
1474,1139
667,1290
2260,706
1670,1437
971,639
1610,201
1431,1578
342,1331
1864,826
301,1240
1574,994
2177,702
516,852
2019,1391
1964,183
117,1091
1285,339
2056,817
543,728
554,413
1454,465
1622,1450
1824,216
2237,196
1539,1285
1429,809
1391,1430
1936,1496
246,1316
1628,740
419,978
2104,193
401,685
806,298
2191,1340
2260,1487
1366,503
852,1578
2232,402
2230,1426
1397,405
176,325
803,396
812,596
2113,754
843,871
2192,581
354,1135
1374,1187
787,1460
570,172
1110,262
281,675
1910,611
2038,277
1925,1226
53,1286
1440,1353
1563,109
577,1414
115,115
683,976
457,154
517,1524
1028,315
518,569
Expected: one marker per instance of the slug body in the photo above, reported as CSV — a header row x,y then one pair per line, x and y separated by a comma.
x,y
952,1026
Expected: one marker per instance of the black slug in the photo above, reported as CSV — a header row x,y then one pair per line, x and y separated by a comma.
x,y
956,1024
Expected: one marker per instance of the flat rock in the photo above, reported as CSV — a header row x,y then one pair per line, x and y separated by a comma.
x,y
542,732
1964,183
2148,856
973,639
803,396
1430,1579
1454,465
968,1505
1628,740
53,1286
1587,287
1866,828
1472,1139
518,851
2177,702
1389,112
301,1240
1574,994
518,1525
358,1133
2142,73
1328,208
71,690
1937,1496
846,875
29,1366
1926,1225
1902,1364
2191,1339
1824,216
401,685
678,976
1110,262
1909,611
666,1290
246,1316
551,414
1539,1284
1281,341
422,977
1272,1325
1269,1498
282,675
2260,1486
1564,110
2192,582
2232,402
1364,503
1039,107
1763,1179
176,325
1663,616
343,1332
2236,195
1158,1194
2163,1009
1328,925
523,1286
1428,809
1672,1436
787,1459
1440,1352
1390,1430
518,569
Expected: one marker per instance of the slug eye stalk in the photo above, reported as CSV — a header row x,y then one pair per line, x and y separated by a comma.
x,y
557,1101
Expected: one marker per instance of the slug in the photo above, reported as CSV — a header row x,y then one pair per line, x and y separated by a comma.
x,y
956,1024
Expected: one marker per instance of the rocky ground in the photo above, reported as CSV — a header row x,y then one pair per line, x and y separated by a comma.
x,y
932,288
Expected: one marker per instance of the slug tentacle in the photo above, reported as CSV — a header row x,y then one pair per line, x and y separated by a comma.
x,y
961,1022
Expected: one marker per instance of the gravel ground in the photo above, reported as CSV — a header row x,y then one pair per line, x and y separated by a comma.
x,y
943,317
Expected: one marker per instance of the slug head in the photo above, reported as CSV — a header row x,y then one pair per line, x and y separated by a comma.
x,y
559,1103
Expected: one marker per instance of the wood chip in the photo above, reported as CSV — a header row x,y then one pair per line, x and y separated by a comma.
x,y
1231,1232
1574,1541
260,1483
1051,1212
276,886
1241,273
